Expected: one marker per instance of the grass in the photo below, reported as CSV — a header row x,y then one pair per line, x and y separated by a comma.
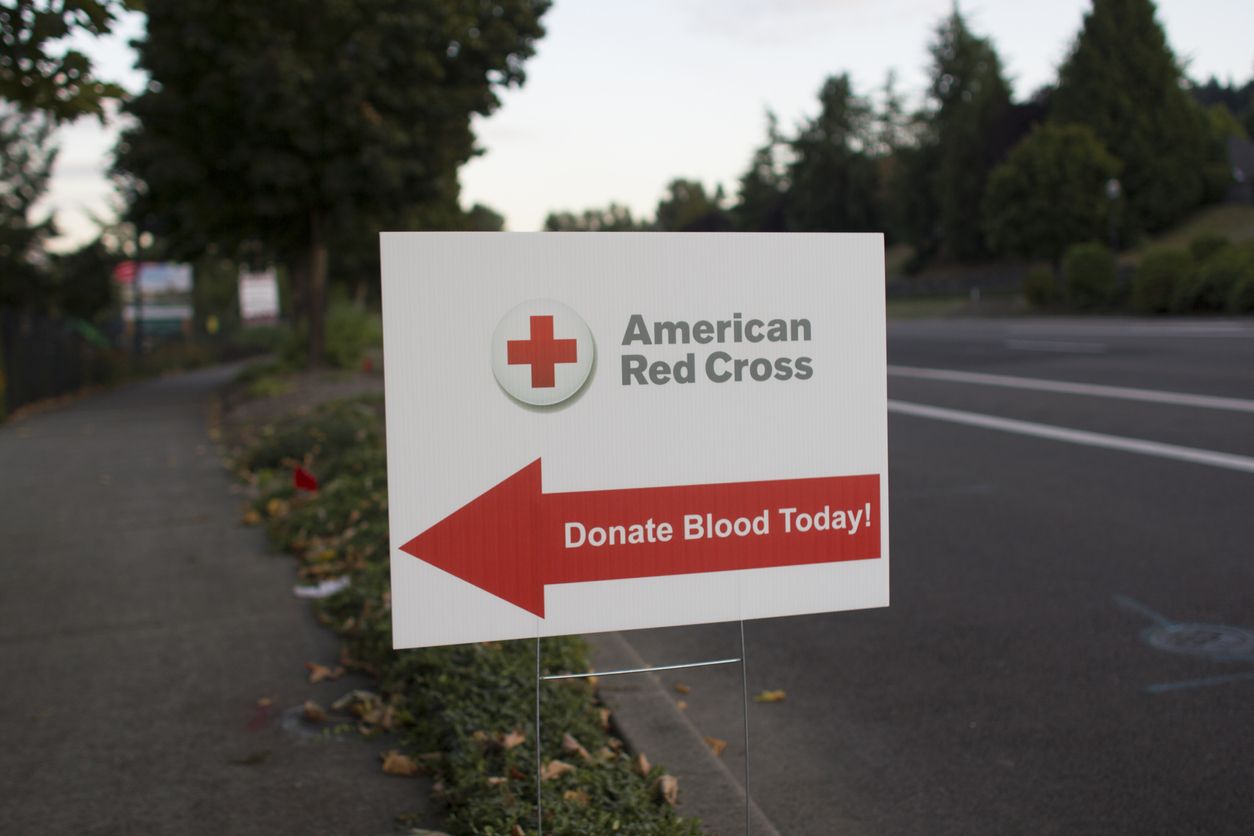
x,y
464,713
1233,221
926,308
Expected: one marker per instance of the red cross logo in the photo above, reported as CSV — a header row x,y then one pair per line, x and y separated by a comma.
x,y
541,352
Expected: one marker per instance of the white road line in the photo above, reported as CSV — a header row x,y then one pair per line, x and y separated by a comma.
x,y
1212,458
1065,387
1058,346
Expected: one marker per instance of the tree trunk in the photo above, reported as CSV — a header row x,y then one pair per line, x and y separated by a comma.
x,y
316,291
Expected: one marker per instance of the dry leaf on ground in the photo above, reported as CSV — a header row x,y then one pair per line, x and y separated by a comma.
x,y
394,763
555,769
318,673
716,746
570,744
314,713
513,739
642,764
681,705
578,796
682,688
251,517
604,713
668,788
770,696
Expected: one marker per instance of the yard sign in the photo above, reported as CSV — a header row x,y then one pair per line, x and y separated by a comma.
x,y
605,431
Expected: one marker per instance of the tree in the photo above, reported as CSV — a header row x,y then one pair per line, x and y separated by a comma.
x,y
481,218
969,99
1049,193
37,71
687,208
763,193
613,218
1122,80
26,158
306,127
833,179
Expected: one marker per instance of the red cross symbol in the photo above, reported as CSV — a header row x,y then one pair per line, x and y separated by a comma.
x,y
541,352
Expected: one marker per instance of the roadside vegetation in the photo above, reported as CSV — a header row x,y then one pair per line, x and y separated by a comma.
x,y
463,714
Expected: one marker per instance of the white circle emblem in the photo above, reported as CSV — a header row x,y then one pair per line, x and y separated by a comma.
x,y
542,352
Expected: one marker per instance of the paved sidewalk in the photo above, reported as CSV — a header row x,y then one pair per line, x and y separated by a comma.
x,y
139,626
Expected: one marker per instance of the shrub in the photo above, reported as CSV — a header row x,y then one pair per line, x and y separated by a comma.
x,y
1212,284
1089,275
1157,279
1040,287
1207,244
350,331
1241,299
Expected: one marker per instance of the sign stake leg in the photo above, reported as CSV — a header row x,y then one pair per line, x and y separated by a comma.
x,y
744,685
539,799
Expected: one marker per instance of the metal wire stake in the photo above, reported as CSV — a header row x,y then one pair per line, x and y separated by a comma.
x,y
539,798
744,684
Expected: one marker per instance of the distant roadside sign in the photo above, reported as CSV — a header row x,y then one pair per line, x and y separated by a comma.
x,y
595,432
258,297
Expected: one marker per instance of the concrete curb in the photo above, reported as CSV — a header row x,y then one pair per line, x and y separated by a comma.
x,y
649,721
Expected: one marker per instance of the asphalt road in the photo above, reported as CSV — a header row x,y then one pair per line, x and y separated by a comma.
x,y
1070,646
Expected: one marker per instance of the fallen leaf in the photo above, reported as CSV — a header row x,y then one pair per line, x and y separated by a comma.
x,y
555,769
314,713
495,780
681,705
668,788
682,688
716,746
394,763
276,507
578,796
358,700
265,702
642,764
317,672
770,696
518,831
605,718
516,773
513,739
570,744
251,517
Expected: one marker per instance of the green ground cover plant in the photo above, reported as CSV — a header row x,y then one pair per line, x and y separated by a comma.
x,y
464,713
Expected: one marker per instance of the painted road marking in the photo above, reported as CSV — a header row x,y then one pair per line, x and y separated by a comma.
x,y
1212,458
1066,387
1161,622
1058,346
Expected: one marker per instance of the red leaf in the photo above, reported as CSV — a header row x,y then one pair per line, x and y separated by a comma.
x,y
303,480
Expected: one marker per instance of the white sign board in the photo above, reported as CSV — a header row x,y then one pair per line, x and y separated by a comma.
x,y
258,296
604,431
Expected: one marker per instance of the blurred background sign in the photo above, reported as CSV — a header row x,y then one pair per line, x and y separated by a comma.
x,y
165,294
259,297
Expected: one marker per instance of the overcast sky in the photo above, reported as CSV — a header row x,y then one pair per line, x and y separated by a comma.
x,y
622,97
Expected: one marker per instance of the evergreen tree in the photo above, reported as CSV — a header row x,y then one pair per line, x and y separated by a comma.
x,y
763,192
687,208
1050,193
1122,80
969,100
613,218
833,179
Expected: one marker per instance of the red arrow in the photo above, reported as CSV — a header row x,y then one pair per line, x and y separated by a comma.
x,y
512,540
